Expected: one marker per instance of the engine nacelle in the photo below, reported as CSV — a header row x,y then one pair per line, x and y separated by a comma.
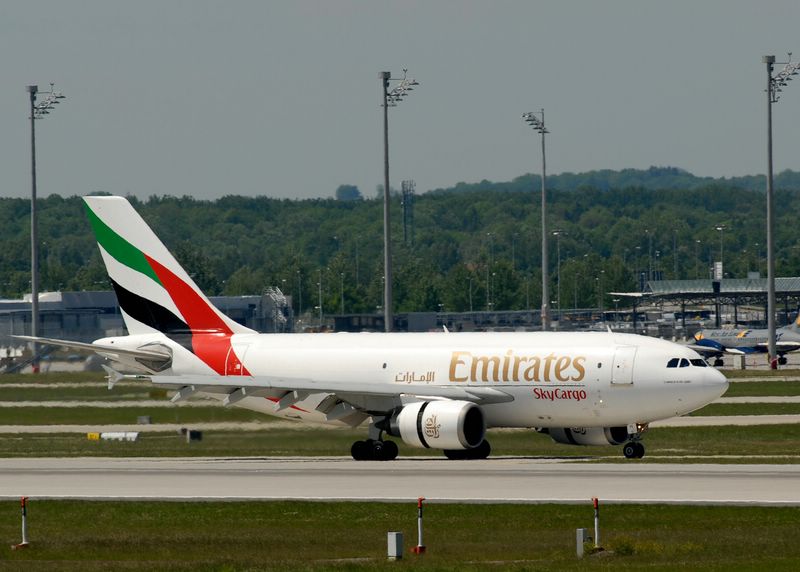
x,y
588,435
439,425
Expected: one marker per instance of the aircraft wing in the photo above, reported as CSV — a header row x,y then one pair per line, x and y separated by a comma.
x,y
717,349
230,384
782,346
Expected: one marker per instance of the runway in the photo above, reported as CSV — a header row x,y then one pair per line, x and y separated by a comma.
x,y
498,480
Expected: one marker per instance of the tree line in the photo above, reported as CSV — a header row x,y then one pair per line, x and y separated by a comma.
x,y
475,247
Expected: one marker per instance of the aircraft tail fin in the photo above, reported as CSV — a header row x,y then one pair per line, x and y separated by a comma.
x,y
795,326
154,292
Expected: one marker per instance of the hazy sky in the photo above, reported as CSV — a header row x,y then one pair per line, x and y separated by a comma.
x,y
282,98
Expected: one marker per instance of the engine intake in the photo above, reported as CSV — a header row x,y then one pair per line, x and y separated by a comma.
x,y
588,435
439,425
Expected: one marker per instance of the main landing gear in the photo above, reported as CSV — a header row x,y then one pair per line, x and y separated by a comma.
x,y
374,450
480,452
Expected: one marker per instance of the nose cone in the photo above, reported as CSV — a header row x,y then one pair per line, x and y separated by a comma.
x,y
716,381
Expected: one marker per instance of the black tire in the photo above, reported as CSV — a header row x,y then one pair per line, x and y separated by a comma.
x,y
630,450
390,450
782,360
455,454
360,451
377,450
481,451
639,450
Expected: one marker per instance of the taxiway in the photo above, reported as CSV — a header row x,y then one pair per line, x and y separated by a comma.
x,y
517,480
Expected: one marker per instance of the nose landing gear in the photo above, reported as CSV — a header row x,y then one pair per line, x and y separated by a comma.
x,y
633,450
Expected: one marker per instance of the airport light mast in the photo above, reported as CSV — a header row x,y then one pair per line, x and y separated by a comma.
x,y
774,84
390,99
536,120
38,111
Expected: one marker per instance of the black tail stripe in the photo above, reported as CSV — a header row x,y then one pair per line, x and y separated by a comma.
x,y
154,315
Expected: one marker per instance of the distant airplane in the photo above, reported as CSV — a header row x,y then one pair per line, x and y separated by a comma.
x,y
738,341
432,390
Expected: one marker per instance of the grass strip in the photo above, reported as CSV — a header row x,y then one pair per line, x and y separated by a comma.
x,y
748,409
88,536
126,415
763,388
756,444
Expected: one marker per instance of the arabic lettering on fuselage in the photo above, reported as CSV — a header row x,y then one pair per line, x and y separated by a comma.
x,y
412,377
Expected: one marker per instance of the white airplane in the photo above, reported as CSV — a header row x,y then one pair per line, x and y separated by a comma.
x,y
739,341
432,390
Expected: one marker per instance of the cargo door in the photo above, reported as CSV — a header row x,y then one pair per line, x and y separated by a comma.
x,y
622,368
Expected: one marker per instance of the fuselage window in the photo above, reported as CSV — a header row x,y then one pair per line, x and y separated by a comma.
x,y
684,362
699,363
673,362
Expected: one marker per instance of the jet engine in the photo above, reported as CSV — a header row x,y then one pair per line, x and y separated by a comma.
x,y
439,425
588,435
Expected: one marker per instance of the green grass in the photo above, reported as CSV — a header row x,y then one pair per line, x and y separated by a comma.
x,y
748,409
89,536
126,415
761,388
88,393
768,443
761,373
60,377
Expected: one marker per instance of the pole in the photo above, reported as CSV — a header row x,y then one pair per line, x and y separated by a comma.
x,y
771,346
419,548
387,254
24,543
545,289
32,90
596,504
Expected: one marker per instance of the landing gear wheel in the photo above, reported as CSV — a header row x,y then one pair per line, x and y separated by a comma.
x,y
782,360
480,452
633,450
390,450
718,362
374,450
360,451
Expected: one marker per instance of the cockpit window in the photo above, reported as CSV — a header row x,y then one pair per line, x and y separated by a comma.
x,y
673,362
699,362
684,362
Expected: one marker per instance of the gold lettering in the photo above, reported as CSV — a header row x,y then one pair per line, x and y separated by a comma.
x,y
547,363
577,363
561,364
468,367
518,360
455,361
485,360
532,371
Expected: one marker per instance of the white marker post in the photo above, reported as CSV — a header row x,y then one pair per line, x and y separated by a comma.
x,y
596,504
24,544
419,548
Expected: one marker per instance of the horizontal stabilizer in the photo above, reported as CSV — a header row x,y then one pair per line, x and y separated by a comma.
x,y
99,348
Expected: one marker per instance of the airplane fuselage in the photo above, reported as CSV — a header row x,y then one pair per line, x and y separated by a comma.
x,y
553,379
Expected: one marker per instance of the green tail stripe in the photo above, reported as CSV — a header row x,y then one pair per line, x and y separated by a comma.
x,y
122,250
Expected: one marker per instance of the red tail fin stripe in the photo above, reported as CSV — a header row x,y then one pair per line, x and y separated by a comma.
x,y
213,348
